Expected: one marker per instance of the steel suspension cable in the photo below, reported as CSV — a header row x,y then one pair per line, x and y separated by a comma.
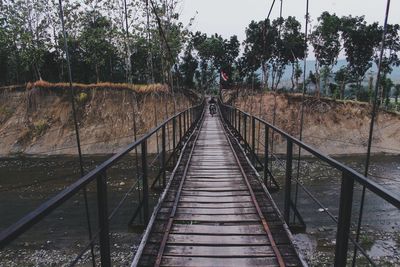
x,y
128,50
302,103
274,90
162,35
72,99
371,129
150,77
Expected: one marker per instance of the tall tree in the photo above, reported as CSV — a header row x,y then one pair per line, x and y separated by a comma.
x,y
325,40
293,45
359,41
95,45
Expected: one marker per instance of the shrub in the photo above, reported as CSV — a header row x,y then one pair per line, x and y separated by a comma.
x,y
82,98
40,127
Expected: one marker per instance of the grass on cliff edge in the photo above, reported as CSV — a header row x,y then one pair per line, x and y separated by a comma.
x,y
139,88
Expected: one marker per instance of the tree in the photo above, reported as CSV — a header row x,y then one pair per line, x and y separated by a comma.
x,y
390,57
259,45
294,46
359,41
188,67
5,49
342,78
215,54
326,44
96,48
396,93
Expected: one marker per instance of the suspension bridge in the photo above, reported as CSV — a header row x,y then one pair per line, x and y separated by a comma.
x,y
215,208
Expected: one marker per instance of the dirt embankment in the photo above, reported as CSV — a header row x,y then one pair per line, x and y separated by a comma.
x,y
39,121
333,127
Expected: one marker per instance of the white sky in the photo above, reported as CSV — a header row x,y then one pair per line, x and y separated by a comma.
x,y
229,17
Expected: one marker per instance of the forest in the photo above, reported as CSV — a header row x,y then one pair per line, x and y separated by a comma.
x,y
144,42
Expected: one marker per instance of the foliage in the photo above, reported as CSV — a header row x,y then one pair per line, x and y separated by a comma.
x,y
139,88
326,43
108,43
359,39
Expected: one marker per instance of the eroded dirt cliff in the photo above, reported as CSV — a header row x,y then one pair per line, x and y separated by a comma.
x,y
334,127
40,121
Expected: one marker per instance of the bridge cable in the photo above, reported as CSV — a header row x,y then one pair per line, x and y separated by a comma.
x,y
72,99
128,50
150,78
274,90
162,35
302,103
375,110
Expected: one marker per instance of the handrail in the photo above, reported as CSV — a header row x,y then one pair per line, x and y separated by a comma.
x,y
237,120
33,217
389,196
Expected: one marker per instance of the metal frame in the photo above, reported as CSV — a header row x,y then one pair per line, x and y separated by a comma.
x,y
349,177
99,174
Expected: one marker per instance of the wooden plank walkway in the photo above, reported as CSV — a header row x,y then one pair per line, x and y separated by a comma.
x,y
211,215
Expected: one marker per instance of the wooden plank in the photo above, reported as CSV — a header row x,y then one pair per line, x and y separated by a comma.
x,y
217,240
244,229
217,262
214,185
214,180
212,205
217,189
215,218
214,194
201,199
216,211
228,251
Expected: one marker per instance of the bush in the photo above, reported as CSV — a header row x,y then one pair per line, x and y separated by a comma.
x,y
82,98
40,127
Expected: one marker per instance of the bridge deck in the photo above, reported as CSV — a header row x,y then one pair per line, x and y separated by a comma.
x,y
211,216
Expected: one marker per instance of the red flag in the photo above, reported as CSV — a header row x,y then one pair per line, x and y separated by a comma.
x,y
224,76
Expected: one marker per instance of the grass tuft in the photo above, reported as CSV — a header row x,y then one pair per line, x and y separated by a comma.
x,y
139,88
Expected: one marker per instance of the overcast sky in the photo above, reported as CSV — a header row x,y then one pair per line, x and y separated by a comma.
x,y
229,17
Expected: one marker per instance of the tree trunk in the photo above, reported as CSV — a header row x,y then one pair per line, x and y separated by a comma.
x,y
317,81
97,73
292,78
342,87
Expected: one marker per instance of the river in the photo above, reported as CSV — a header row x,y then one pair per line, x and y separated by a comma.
x,y
26,182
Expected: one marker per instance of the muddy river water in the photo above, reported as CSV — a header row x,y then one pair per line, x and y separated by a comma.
x,y
26,182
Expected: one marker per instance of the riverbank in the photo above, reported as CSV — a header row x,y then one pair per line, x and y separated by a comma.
x,y
332,126
38,120
27,182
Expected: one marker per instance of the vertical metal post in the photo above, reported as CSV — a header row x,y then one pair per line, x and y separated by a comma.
x,y
145,183
266,137
184,122
235,115
344,220
239,125
104,237
163,155
253,138
180,127
288,180
174,138
245,128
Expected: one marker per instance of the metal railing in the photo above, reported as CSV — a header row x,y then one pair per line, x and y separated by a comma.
x,y
150,170
257,137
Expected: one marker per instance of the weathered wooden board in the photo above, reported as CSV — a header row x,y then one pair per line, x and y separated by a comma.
x,y
229,251
244,229
216,222
218,218
217,240
217,262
